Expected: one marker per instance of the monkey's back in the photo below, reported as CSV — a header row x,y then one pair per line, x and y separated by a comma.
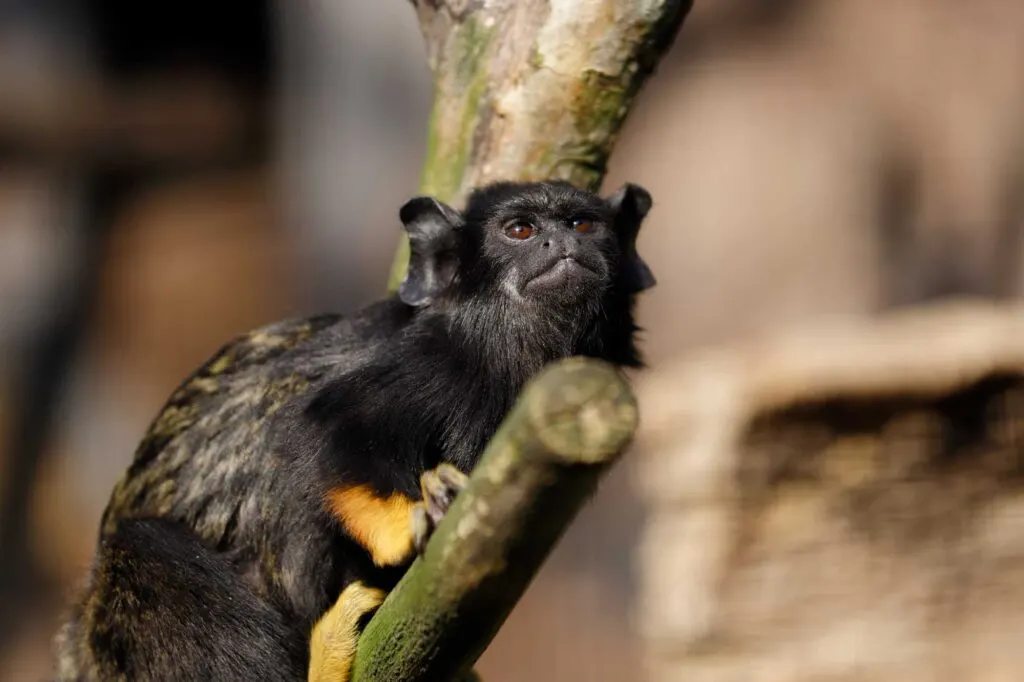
x,y
209,458
206,456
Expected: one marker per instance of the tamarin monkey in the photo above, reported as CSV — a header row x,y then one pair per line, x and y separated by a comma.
x,y
291,480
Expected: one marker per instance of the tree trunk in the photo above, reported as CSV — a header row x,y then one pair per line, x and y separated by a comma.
x,y
533,89
524,90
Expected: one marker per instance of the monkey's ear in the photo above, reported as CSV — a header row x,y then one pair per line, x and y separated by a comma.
x,y
431,225
630,205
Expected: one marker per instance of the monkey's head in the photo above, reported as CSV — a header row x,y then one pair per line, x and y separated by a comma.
x,y
540,252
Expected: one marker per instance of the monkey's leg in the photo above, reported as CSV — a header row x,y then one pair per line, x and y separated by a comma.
x,y
161,606
439,487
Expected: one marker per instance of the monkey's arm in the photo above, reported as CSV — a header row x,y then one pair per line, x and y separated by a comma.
x,y
393,528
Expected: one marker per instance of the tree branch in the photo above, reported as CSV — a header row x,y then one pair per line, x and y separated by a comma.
x,y
533,89
567,428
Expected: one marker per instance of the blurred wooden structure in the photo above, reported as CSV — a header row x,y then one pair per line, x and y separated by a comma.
x,y
842,503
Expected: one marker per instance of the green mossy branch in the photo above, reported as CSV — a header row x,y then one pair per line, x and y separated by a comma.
x,y
569,425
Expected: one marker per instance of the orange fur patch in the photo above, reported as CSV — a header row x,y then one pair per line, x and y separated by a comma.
x,y
380,524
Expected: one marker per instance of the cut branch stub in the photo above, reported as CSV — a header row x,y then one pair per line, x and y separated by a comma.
x,y
533,89
569,425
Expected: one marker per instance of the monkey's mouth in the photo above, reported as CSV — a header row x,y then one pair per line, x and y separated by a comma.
x,y
563,271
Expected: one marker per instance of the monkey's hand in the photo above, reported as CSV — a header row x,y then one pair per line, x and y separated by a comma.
x,y
439,487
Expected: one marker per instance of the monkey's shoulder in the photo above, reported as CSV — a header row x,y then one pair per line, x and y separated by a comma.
x,y
256,373
263,366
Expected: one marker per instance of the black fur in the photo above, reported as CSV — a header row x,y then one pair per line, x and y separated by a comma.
x,y
216,553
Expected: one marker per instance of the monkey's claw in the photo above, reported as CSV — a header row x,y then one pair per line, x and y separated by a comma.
x,y
439,487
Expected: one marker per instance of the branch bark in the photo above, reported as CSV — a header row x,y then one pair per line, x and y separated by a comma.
x,y
567,428
533,89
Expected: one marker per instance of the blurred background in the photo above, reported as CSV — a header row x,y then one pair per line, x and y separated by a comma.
x,y
172,174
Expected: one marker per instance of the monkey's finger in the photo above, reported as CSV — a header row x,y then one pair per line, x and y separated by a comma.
x,y
452,477
422,527
437,495
439,487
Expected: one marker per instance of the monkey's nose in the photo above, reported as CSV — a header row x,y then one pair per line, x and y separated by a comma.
x,y
566,245
570,246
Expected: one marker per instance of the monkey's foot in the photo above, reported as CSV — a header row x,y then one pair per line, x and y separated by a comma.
x,y
439,487
332,644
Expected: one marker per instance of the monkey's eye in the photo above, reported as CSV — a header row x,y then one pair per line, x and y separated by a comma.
x,y
519,231
582,225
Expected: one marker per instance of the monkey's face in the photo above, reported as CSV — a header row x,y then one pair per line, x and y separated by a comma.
x,y
551,245
544,245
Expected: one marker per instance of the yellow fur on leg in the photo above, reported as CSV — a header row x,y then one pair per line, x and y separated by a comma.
x,y
332,645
